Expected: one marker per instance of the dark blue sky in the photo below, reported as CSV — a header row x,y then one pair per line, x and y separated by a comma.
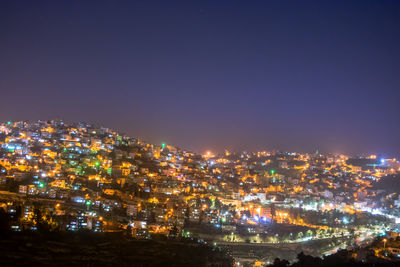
x,y
290,75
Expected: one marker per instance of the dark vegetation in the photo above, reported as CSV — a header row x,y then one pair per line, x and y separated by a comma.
x,y
84,248
341,258
105,249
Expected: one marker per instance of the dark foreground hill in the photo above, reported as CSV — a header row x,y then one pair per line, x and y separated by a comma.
x,y
91,249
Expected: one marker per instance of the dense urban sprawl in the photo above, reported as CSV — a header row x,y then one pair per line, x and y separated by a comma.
x,y
55,175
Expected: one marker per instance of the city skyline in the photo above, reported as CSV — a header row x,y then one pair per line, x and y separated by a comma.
x,y
210,76
206,152
79,179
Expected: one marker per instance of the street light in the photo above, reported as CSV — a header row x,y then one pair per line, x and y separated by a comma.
x,y
384,243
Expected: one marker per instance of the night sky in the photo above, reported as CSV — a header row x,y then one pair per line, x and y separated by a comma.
x,y
242,75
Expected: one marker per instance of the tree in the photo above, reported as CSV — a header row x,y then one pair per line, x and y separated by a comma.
x,y
309,233
280,263
174,232
300,235
4,221
307,260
